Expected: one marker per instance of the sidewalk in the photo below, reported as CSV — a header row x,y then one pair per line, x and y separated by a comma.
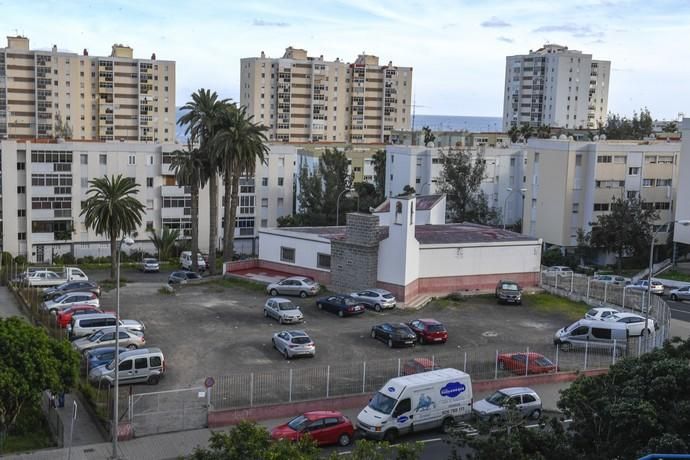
x,y
183,443
8,304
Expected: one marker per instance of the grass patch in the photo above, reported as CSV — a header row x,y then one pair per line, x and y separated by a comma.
x,y
30,433
547,303
457,299
675,276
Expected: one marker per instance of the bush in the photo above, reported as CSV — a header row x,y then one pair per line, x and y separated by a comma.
x,y
20,260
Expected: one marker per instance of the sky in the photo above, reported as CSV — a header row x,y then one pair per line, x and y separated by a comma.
x,y
457,48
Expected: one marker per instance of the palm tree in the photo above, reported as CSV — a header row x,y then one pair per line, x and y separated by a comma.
x,y
201,120
240,142
190,171
164,241
514,133
112,210
526,131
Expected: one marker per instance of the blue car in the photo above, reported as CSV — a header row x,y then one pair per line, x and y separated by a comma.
x,y
101,356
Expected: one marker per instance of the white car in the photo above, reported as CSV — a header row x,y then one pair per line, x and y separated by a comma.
x,y
71,298
559,270
293,343
643,285
283,310
601,313
635,323
682,293
611,279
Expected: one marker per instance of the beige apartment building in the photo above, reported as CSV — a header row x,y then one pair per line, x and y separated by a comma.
x,y
52,94
301,98
570,183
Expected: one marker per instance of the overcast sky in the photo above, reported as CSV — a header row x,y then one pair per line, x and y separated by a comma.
x,y
457,48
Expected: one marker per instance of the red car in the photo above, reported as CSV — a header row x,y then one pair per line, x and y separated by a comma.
x,y
64,317
535,363
429,331
324,427
417,365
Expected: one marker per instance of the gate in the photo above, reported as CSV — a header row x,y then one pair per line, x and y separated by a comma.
x,y
166,411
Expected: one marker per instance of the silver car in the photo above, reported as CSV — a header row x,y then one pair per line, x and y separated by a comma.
x,y
295,285
293,343
682,293
283,310
643,285
526,401
149,265
106,337
378,299
71,298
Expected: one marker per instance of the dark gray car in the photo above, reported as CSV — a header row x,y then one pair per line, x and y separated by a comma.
x,y
71,286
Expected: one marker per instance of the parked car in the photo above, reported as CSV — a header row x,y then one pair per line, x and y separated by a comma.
x,y
293,343
71,286
149,265
324,427
417,365
49,278
429,330
342,305
186,261
378,299
643,285
600,313
183,277
135,366
100,356
634,323
526,363
294,285
526,401
395,335
106,337
508,292
586,333
559,270
64,317
87,324
681,293
612,279
69,299
283,310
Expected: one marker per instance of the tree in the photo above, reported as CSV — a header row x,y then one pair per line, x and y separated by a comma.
x,y
526,131
671,127
379,161
190,169
428,135
164,241
618,127
625,230
460,179
408,190
543,131
111,209
201,119
31,363
240,143
514,133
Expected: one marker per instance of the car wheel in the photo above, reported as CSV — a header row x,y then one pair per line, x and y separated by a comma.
x,y
377,307
131,347
286,354
302,294
53,311
390,435
344,439
674,297
447,425
153,380
274,292
373,334
390,343
536,414
340,313
265,313
273,342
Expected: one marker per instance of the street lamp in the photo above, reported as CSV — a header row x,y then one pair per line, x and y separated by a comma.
x,y
350,193
684,222
128,241
505,203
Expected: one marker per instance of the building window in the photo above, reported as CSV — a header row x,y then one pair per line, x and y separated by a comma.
x,y
647,182
264,181
281,202
604,159
633,171
21,189
264,223
21,236
84,182
264,202
281,180
287,254
323,260
576,208
149,225
281,161
601,206
664,182
247,204
619,159
21,212
84,158
578,160
103,159
149,204
149,159
662,205
21,166
132,160
631,194
149,182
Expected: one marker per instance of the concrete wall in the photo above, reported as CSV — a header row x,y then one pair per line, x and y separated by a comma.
x,y
306,247
354,261
682,233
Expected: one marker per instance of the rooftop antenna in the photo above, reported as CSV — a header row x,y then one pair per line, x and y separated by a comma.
x,y
414,107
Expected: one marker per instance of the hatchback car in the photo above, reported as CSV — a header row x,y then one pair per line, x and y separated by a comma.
x,y
643,285
295,285
342,305
149,265
100,356
394,335
634,323
106,337
508,292
417,365
324,427
682,293
64,317
71,286
526,363
600,313
183,277
429,330
378,299
69,299
283,310
293,343
526,401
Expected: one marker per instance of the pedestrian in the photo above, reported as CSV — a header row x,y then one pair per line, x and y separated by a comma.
x,y
61,398
51,398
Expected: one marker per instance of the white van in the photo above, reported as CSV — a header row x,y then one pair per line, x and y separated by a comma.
x,y
186,261
417,402
592,334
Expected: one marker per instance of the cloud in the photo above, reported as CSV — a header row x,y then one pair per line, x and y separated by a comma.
x,y
505,39
495,22
263,23
572,28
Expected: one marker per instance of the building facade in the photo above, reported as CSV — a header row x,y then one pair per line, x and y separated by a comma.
x,y
570,183
681,233
57,94
308,99
557,87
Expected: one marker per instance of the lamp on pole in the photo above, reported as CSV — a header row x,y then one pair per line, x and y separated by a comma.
x,y
128,241
350,193
505,203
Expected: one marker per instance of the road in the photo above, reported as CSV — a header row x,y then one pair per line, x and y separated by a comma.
x,y
679,310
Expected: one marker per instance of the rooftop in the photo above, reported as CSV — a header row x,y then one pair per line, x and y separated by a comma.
x,y
424,203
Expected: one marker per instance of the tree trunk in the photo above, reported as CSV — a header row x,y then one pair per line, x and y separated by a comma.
x,y
195,228
229,227
234,201
213,224
113,256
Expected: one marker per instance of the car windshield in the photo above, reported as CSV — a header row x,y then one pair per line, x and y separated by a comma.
x,y
193,276
298,423
436,328
287,306
509,287
497,399
301,340
382,403
307,281
150,261
348,301
111,365
387,296
95,336
105,355
61,298
543,361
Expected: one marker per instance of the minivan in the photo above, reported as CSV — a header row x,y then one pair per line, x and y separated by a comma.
x,y
136,366
592,334
88,324
186,261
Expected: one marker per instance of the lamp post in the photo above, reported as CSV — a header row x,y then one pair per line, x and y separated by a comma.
x,y
128,241
350,193
505,203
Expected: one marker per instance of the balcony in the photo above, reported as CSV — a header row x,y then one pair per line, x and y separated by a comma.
x,y
174,190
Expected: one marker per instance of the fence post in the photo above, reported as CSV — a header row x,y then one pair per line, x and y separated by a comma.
x,y
433,363
251,389
606,288
613,355
527,362
328,380
464,364
364,376
556,283
398,367
586,350
290,393
557,357
572,281
623,306
588,281
496,366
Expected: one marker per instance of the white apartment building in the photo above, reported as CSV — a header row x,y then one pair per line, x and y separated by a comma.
x,y
116,97
44,184
557,87
681,233
420,167
570,183
308,99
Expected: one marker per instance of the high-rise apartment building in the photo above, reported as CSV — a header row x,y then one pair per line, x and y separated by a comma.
x,y
557,87
681,233
51,94
307,99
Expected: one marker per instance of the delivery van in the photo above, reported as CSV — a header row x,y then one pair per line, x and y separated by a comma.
x,y
417,402
592,334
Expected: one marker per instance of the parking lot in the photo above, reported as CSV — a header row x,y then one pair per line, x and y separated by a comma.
x,y
219,329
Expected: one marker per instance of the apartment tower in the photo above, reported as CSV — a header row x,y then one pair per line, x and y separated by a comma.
x,y
307,99
56,94
557,87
